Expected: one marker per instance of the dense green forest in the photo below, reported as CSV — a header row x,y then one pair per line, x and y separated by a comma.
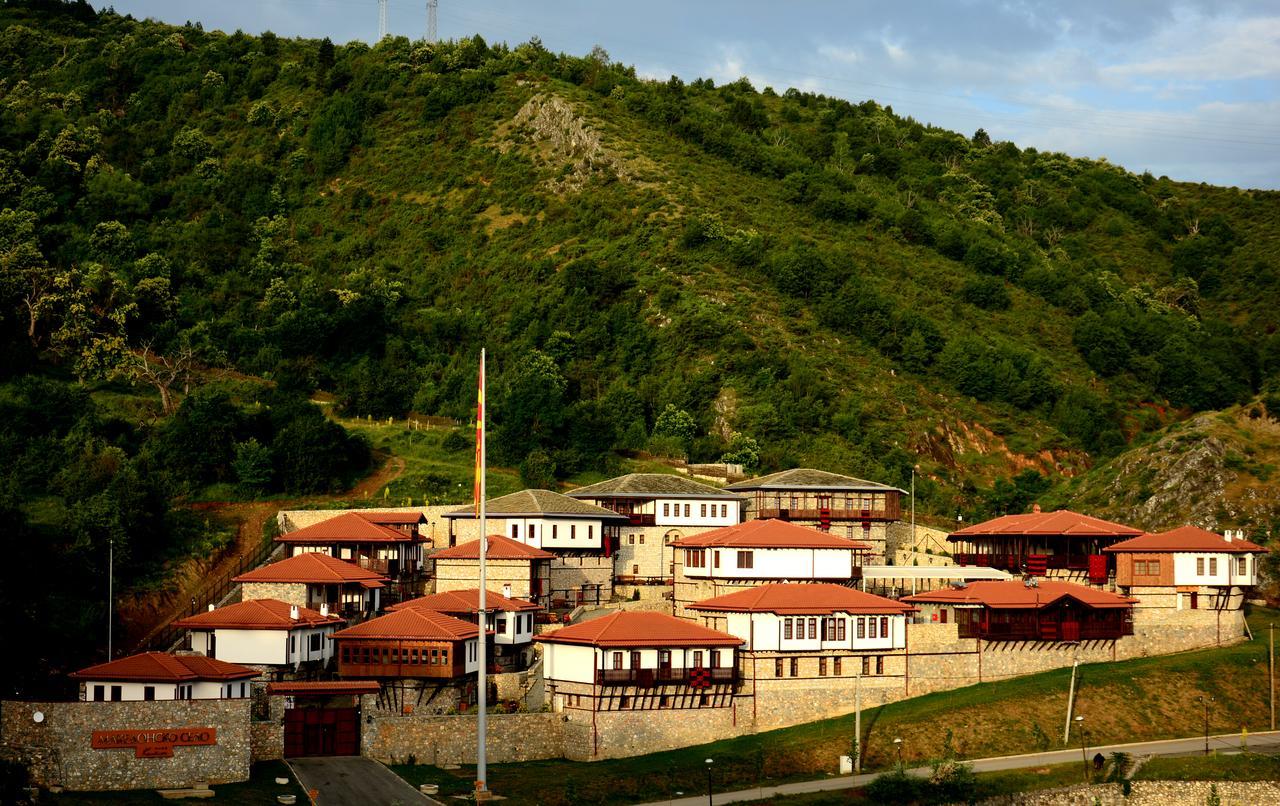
x,y
200,230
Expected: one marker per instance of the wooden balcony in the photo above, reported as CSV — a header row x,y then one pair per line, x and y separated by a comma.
x,y
648,678
1046,631
833,515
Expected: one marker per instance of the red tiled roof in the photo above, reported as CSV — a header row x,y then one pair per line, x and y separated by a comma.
x,y
161,667
465,601
350,527
635,628
1186,538
412,623
1063,522
256,614
804,598
313,568
324,687
1014,594
500,548
770,534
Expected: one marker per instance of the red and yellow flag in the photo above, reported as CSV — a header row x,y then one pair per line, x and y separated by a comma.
x,y
479,436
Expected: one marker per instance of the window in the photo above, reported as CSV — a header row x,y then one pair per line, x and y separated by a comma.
x,y
695,558
515,531
746,559
866,664
555,529
822,667
117,693
1199,566
617,660
635,660
346,654
686,510
502,625
828,629
777,667
1139,568
532,532
573,531
697,659
99,692
293,643
872,623
1242,566
835,666
642,540
795,667
590,529
631,540
862,628
884,626
724,510
715,558
813,628
703,512
666,510
840,623
786,629
315,641
1213,566
715,659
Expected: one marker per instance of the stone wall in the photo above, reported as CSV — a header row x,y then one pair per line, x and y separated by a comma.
x,y
1149,793
58,751
618,734
571,573
266,735
452,739
291,592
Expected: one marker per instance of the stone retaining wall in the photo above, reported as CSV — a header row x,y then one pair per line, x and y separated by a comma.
x,y
452,739
1149,793
58,751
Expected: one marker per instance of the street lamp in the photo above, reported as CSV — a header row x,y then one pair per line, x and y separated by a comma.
x,y
709,763
1207,701
897,743
1083,757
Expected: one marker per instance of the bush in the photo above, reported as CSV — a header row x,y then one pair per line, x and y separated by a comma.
x,y
456,441
538,471
895,787
988,293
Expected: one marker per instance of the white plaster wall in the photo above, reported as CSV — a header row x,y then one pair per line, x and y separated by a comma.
x,y
200,690
569,662
771,563
665,512
1184,569
569,533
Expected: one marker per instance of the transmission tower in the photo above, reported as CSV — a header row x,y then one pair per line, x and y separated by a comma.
x,y
382,19
431,20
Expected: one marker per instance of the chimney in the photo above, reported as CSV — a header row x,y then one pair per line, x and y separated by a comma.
x,y
293,612
506,590
324,610
210,607
1035,507
1228,535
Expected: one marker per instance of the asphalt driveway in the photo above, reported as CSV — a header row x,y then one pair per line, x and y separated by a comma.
x,y
354,781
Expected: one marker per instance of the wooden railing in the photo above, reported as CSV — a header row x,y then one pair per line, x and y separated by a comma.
x,y
810,514
645,678
1046,631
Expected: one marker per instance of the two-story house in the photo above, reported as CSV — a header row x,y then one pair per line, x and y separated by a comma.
x,y
509,564
830,502
314,580
582,538
660,508
266,633
1187,568
510,620
758,552
389,543
409,643
1033,609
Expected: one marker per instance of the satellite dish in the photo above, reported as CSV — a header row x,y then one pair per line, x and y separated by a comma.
x,y
38,716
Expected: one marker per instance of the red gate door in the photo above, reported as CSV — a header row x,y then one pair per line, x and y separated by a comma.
x,y
1070,631
321,732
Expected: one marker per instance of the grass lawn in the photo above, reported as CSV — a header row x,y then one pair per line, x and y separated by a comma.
x,y
260,790
1234,767
1146,698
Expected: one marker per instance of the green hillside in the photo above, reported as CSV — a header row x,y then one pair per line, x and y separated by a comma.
x,y
657,268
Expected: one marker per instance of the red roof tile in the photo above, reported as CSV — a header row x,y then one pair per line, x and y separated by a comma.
x,y
803,598
324,687
350,527
636,628
256,614
1063,522
500,548
313,568
465,601
770,534
412,623
1015,594
1186,538
161,667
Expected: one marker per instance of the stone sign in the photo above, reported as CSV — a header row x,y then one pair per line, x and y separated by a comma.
x,y
153,743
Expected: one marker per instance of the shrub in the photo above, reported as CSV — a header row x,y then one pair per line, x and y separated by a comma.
x,y
988,293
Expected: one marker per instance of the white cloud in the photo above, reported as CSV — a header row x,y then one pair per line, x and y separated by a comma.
x,y
1195,49
839,54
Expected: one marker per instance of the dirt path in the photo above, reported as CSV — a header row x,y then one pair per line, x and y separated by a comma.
x,y
144,614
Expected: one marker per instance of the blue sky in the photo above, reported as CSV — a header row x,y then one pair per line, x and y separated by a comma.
x,y
1189,89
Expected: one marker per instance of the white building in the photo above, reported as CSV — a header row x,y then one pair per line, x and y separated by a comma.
x,y
660,509
161,676
312,579
808,618
1187,568
638,660
263,632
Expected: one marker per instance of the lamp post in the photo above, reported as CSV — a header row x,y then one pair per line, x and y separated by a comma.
x,y
1206,701
709,763
1083,757
897,743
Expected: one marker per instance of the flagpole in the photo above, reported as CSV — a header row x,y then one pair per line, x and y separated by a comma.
x,y
482,701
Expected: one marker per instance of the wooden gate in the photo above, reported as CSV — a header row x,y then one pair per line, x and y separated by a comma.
x,y
321,732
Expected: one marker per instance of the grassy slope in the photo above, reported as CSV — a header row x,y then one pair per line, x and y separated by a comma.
x,y
1148,698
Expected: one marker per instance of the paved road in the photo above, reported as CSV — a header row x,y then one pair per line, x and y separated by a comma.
x,y
355,781
1268,741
